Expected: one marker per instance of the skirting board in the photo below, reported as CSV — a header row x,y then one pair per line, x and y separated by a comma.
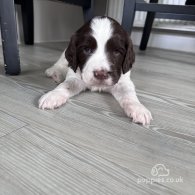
x,y
176,42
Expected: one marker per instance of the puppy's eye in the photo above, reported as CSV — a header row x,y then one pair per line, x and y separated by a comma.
x,y
87,50
117,52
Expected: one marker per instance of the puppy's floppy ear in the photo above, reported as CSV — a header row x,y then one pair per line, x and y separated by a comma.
x,y
71,53
129,57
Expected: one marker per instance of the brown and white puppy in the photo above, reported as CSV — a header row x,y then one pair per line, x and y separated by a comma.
x,y
99,57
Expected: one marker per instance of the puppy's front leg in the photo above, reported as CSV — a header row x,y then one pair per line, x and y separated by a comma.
x,y
58,71
73,85
124,93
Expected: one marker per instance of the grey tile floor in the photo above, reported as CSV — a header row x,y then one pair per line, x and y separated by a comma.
x,y
89,146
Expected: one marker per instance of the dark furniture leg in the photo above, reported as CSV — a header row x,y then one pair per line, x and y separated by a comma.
x,y
9,37
147,28
190,2
28,21
88,12
128,14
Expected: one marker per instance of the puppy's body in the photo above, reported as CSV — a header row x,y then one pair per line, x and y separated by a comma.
x,y
99,57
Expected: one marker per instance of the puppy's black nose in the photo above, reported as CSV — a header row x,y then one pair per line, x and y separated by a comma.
x,y
101,74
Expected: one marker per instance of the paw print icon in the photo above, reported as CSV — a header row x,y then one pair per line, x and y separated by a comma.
x,y
160,170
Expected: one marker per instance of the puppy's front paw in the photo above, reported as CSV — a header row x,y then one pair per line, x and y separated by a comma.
x,y
138,112
53,99
56,74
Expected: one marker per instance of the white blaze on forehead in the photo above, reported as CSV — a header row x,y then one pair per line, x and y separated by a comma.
x,y
101,31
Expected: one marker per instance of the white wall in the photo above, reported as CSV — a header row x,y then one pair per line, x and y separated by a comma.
x,y
166,40
55,21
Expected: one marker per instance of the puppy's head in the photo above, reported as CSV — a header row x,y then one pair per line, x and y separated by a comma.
x,y
102,50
